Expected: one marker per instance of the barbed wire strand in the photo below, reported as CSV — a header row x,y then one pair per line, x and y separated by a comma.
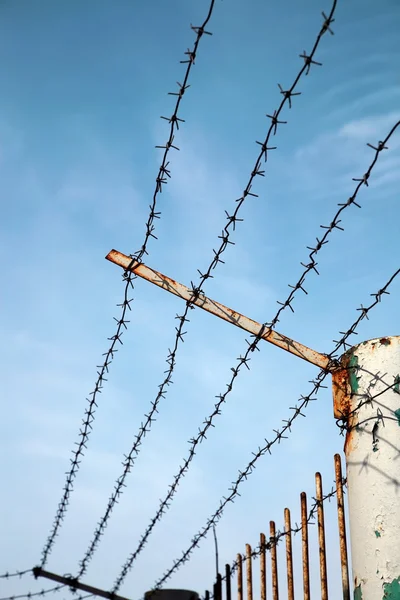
x,y
44,592
20,574
244,360
345,422
274,540
232,219
29,595
197,291
149,418
279,434
128,277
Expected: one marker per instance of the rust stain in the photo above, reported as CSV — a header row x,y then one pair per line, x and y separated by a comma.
x,y
220,311
342,400
341,393
385,341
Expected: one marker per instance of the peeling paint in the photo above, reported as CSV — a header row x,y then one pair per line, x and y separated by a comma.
x,y
353,364
358,593
397,413
384,341
391,591
396,387
378,534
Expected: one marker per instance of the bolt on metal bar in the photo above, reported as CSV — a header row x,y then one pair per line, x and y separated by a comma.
x,y
342,529
321,537
263,570
74,584
289,554
305,552
239,577
249,573
219,310
274,561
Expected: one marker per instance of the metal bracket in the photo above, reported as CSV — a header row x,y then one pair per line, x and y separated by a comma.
x,y
219,310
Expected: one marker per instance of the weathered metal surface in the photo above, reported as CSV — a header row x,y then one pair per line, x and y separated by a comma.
x,y
369,403
239,577
263,568
74,584
304,544
219,310
289,554
274,562
249,573
321,537
344,565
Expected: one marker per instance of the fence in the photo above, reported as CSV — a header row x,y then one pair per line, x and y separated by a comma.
x,y
360,378
264,558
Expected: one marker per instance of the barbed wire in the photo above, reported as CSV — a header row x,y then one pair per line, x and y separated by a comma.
x,y
128,277
345,422
279,433
29,595
20,574
244,360
274,540
334,224
197,291
44,592
149,418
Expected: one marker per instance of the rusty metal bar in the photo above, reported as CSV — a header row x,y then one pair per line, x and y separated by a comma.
x,y
321,537
342,529
249,573
304,540
239,560
75,584
274,561
263,570
228,582
219,310
289,554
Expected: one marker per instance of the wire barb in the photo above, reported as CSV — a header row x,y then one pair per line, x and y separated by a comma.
x,y
145,427
128,277
232,220
279,435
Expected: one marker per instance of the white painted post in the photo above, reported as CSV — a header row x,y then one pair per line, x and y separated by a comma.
x,y
367,396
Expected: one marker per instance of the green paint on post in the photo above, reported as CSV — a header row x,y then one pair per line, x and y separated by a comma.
x,y
391,591
397,413
396,387
353,370
358,593
377,533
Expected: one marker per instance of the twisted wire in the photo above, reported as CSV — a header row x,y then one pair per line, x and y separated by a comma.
x,y
279,434
197,291
128,277
20,574
29,595
149,418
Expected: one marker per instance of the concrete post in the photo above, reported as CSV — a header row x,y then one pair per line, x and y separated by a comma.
x,y
367,397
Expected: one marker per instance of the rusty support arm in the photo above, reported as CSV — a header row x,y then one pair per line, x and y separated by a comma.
x,y
74,584
219,310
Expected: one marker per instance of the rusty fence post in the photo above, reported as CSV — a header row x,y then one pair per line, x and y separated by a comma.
x,y
366,391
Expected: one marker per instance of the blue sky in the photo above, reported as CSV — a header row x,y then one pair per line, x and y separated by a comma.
x,y
83,85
